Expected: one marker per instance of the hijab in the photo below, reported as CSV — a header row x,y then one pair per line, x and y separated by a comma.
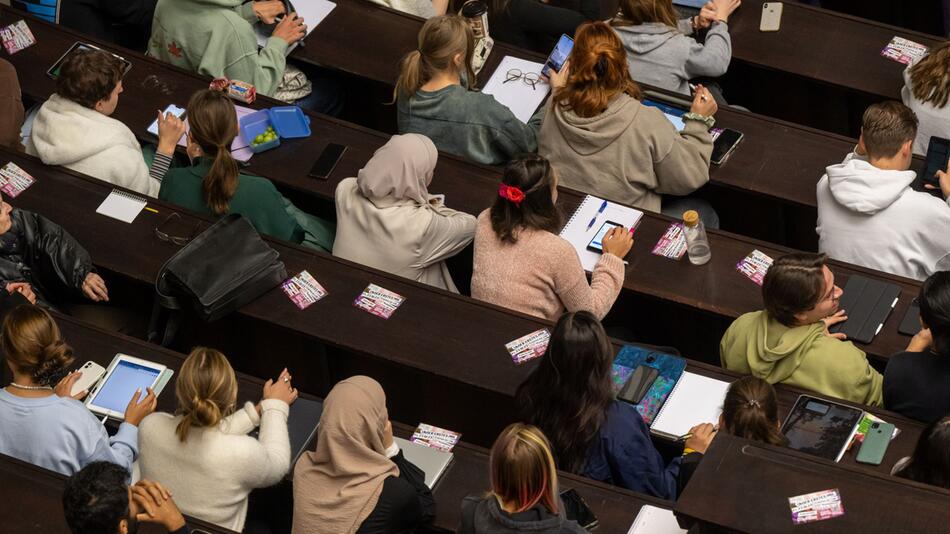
x,y
400,170
336,487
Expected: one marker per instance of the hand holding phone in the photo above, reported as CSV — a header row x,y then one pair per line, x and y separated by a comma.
x,y
558,56
91,373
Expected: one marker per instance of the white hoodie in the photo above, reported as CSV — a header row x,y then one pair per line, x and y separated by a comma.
x,y
872,217
84,140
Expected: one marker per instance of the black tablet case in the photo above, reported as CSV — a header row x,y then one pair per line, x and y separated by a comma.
x,y
302,426
867,303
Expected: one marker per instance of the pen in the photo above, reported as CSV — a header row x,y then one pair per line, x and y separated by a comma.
x,y
603,207
153,210
104,418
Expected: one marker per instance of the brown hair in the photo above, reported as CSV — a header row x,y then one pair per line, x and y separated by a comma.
x,y
206,390
440,40
522,469
750,411
534,176
213,127
33,345
793,284
598,71
930,77
88,76
886,126
636,12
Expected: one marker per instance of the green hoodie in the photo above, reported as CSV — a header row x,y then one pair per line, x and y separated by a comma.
x,y
802,356
216,38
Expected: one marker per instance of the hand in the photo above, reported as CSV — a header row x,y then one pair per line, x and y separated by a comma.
x,y
942,176
155,505
558,79
703,102
282,389
702,436
268,10
170,130
388,435
65,386
831,320
724,8
24,289
136,411
618,241
921,341
291,29
94,287
707,15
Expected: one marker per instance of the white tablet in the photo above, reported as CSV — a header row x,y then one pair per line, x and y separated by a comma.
x,y
124,375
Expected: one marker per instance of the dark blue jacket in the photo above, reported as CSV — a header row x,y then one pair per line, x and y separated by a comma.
x,y
623,455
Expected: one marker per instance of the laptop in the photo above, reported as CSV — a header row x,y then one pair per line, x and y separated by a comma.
x,y
867,304
432,461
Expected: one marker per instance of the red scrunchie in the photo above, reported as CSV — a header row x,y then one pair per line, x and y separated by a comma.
x,y
511,193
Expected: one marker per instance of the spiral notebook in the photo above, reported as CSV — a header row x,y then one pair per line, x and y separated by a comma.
x,y
654,520
122,205
695,399
577,232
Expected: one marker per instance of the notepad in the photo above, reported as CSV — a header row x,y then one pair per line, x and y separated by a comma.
x,y
312,11
432,461
695,399
122,205
577,232
521,98
654,520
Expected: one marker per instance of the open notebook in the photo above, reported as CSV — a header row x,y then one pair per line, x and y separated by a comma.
x,y
695,399
512,92
579,235
432,461
653,520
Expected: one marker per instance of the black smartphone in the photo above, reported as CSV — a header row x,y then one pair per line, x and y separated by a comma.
x,y
638,384
577,510
559,55
910,324
596,243
938,154
327,161
726,141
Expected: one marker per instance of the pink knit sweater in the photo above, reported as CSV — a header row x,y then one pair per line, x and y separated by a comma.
x,y
541,274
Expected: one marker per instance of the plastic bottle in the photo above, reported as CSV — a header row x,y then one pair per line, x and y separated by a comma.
x,y
697,244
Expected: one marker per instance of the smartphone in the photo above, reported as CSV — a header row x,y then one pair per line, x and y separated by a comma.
x,y
174,110
938,154
638,384
327,161
875,444
910,324
559,55
596,243
726,141
771,17
577,510
91,373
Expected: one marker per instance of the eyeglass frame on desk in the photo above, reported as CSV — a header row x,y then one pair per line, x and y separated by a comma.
x,y
529,78
177,240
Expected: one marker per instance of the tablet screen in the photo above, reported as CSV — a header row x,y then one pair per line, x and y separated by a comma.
x,y
673,114
127,376
820,427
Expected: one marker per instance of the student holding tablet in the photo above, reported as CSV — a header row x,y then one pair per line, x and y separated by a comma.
x,y
41,423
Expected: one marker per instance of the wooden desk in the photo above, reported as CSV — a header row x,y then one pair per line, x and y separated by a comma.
x,y
745,486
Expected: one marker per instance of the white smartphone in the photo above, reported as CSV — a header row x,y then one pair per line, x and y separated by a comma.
x,y
771,17
91,373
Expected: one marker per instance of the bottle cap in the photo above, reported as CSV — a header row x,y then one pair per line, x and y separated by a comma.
x,y
691,218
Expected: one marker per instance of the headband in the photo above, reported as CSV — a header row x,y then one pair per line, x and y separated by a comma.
x,y
511,194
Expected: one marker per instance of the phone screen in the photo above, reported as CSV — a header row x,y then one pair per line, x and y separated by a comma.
x,y
938,153
724,143
559,55
327,161
596,243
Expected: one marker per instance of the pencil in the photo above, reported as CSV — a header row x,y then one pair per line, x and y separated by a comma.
x,y
153,210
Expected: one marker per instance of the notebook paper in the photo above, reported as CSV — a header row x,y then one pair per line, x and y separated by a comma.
x,y
695,399
311,11
122,206
579,235
521,98
653,520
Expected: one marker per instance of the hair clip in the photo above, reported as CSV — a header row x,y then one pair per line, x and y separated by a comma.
x,y
511,194
754,403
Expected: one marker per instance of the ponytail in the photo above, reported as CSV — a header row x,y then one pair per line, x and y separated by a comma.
x,y
219,185
214,126
412,72
750,411
440,40
206,390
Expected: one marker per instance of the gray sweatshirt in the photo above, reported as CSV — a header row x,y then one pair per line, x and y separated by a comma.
x,y
668,58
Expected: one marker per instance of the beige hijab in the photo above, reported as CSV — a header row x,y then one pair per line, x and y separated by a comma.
x,y
400,170
336,487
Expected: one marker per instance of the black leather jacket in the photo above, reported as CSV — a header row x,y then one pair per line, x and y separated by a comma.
x,y
39,251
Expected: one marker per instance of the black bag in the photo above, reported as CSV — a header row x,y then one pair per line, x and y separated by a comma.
x,y
217,272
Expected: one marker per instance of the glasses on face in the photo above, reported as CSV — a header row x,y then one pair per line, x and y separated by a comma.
x,y
178,240
529,78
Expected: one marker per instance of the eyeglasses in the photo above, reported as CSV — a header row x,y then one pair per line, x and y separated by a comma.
x,y
180,241
529,78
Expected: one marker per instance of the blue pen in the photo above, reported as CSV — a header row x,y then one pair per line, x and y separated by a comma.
x,y
601,210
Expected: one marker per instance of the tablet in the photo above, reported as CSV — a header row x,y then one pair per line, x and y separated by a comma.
x,y
820,427
124,375
53,71
673,113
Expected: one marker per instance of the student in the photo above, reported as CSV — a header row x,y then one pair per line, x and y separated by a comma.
x,y
387,219
524,494
915,380
789,342
420,8
926,92
606,143
867,212
570,398
929,464
357,480
11,107
203,454
535,24
214,185
663,52
521,262
74,128
98,500
434,99
42,424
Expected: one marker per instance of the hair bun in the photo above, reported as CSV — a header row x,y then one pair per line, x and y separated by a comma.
x,y
54,358
206,412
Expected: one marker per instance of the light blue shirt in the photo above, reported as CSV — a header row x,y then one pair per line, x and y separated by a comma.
x,y
61,434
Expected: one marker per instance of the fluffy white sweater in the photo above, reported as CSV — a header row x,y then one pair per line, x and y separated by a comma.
x,y
214,470
84,140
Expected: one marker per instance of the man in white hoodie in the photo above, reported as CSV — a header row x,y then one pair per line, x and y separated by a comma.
x,y
869,215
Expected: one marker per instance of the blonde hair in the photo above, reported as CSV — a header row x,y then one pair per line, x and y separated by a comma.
x,y
636,12
523,471
440,40
206,390
930,77
33,345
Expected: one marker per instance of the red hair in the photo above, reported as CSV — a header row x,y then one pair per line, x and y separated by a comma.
x,y
522,469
